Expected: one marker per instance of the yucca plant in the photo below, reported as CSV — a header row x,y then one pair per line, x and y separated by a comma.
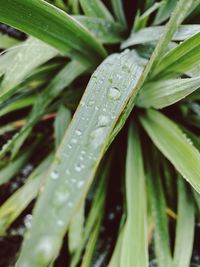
x,y
100,118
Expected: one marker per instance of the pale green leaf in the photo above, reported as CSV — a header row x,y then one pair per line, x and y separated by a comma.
x,y
174,144
134,242
185,227
165,93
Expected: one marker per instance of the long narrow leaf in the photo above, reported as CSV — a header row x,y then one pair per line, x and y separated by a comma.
x,y
174,145
134,244
185,227
89,131
152,34
165,93
53,26
158,206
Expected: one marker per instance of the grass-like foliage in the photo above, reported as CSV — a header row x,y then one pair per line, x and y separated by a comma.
x,y
81,83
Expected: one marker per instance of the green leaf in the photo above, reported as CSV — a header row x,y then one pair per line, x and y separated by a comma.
x,y
158,206
152,34
89,131
134,243
62,120
53,26
95,211
180,59
96,8
21,60
165,93
185,227
18,201
13,167
174,144
119,11
141,20
65,77
115,259
165,10
107,32
75,235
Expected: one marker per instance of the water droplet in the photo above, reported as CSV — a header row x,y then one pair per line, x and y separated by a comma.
x,y
83,152
61,197
45,250
103,121
68,172
97,137
60,223
28,221
96,108
80,184
78,132
69,146
91,103
74,141
114,93
82,103
54,175
101,80
78,167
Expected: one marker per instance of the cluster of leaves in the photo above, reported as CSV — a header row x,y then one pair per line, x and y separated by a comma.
x,y
43,79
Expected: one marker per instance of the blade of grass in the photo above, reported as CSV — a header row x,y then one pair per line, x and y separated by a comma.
x,y
107,32
96,209
76,228
182,8
61,122
165,93
115,259
180,59
96,8
65,77
90,129
165,11
185,227
18,201
118,9
134,243
25,57
174,144
152,34
14,167
53,26
158,207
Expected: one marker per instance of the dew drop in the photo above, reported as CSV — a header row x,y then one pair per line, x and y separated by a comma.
x,y
91,103
103,120
97,137
74,141
60,223
54,175
114,93
83,152
28,221
80,184
78,132
44,250
78,168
